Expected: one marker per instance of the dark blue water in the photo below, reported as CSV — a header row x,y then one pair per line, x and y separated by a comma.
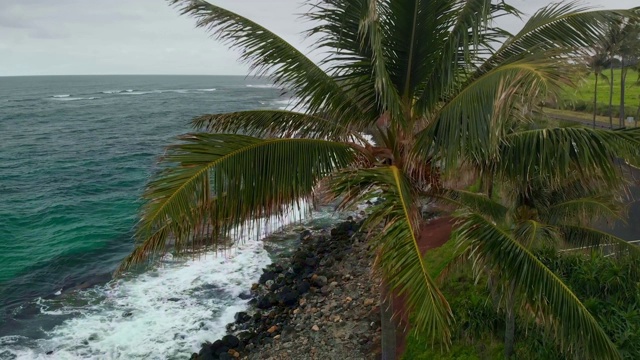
x,y
75,153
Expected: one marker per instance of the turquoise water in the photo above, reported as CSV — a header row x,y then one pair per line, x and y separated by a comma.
x,y
75,153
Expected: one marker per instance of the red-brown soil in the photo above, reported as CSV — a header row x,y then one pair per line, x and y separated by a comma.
x,y
433,234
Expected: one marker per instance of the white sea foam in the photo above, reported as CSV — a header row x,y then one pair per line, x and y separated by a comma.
x,y
166,312
263,86
131,92
61,96
74,98
179,91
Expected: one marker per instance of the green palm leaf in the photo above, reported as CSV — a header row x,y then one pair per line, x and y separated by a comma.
x,y
585,210
480,203
463,37
566,26
219,181
268,54
587,237
558,152
373,28
394,226
468,124
277,123
338,33
576,329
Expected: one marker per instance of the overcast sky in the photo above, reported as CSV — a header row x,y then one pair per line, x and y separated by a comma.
x,y
58,37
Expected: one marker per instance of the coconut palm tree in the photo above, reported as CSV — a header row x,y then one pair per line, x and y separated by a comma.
x,y
596,64
429,82
629,53
611,43
528,216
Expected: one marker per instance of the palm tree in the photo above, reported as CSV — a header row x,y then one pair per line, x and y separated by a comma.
x,y
529,216
597,63
425,80
611,46
629,52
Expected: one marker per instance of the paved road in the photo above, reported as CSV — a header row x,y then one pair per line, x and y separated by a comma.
x,y
581,121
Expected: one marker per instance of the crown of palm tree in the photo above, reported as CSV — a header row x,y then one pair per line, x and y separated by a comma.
x,y
436,85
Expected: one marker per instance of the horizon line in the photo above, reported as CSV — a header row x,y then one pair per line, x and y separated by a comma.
x,y
247,75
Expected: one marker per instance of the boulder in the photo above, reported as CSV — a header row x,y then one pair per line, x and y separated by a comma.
x,y
225,356
246,336
319,281
221,350
206,353
303,287
288,297
242,317
311,261
216,345
231,341
266,276
267,301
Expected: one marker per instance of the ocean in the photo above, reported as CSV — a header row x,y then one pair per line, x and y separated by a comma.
x,y
75,154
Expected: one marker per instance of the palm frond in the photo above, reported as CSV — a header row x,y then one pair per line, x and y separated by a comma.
x,y
567,26
481,203
586,237
557,152
268,54
453,51
585,210
533,234
373,29
577,331
277,123
338,33
467,124
219,181
394,229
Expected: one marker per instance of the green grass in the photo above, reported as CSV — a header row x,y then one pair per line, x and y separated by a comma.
x,y
586,89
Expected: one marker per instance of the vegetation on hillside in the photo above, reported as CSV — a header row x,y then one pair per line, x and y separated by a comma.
x,y
607,285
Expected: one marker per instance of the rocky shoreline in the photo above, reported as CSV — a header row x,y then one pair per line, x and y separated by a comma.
x,y
321,303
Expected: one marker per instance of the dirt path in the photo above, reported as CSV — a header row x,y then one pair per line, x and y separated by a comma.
x,y
432,235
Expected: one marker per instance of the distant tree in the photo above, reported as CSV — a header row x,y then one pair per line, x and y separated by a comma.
x,y
629,53
611,45
597,63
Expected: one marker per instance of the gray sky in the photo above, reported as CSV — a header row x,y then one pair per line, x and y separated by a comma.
x,y
57,37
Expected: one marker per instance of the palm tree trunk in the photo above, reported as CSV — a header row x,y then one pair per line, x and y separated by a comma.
x,y
611,97
388,324
622,81
595,100
638,113
510,324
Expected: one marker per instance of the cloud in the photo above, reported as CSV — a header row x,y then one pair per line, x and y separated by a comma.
x,y
143,36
